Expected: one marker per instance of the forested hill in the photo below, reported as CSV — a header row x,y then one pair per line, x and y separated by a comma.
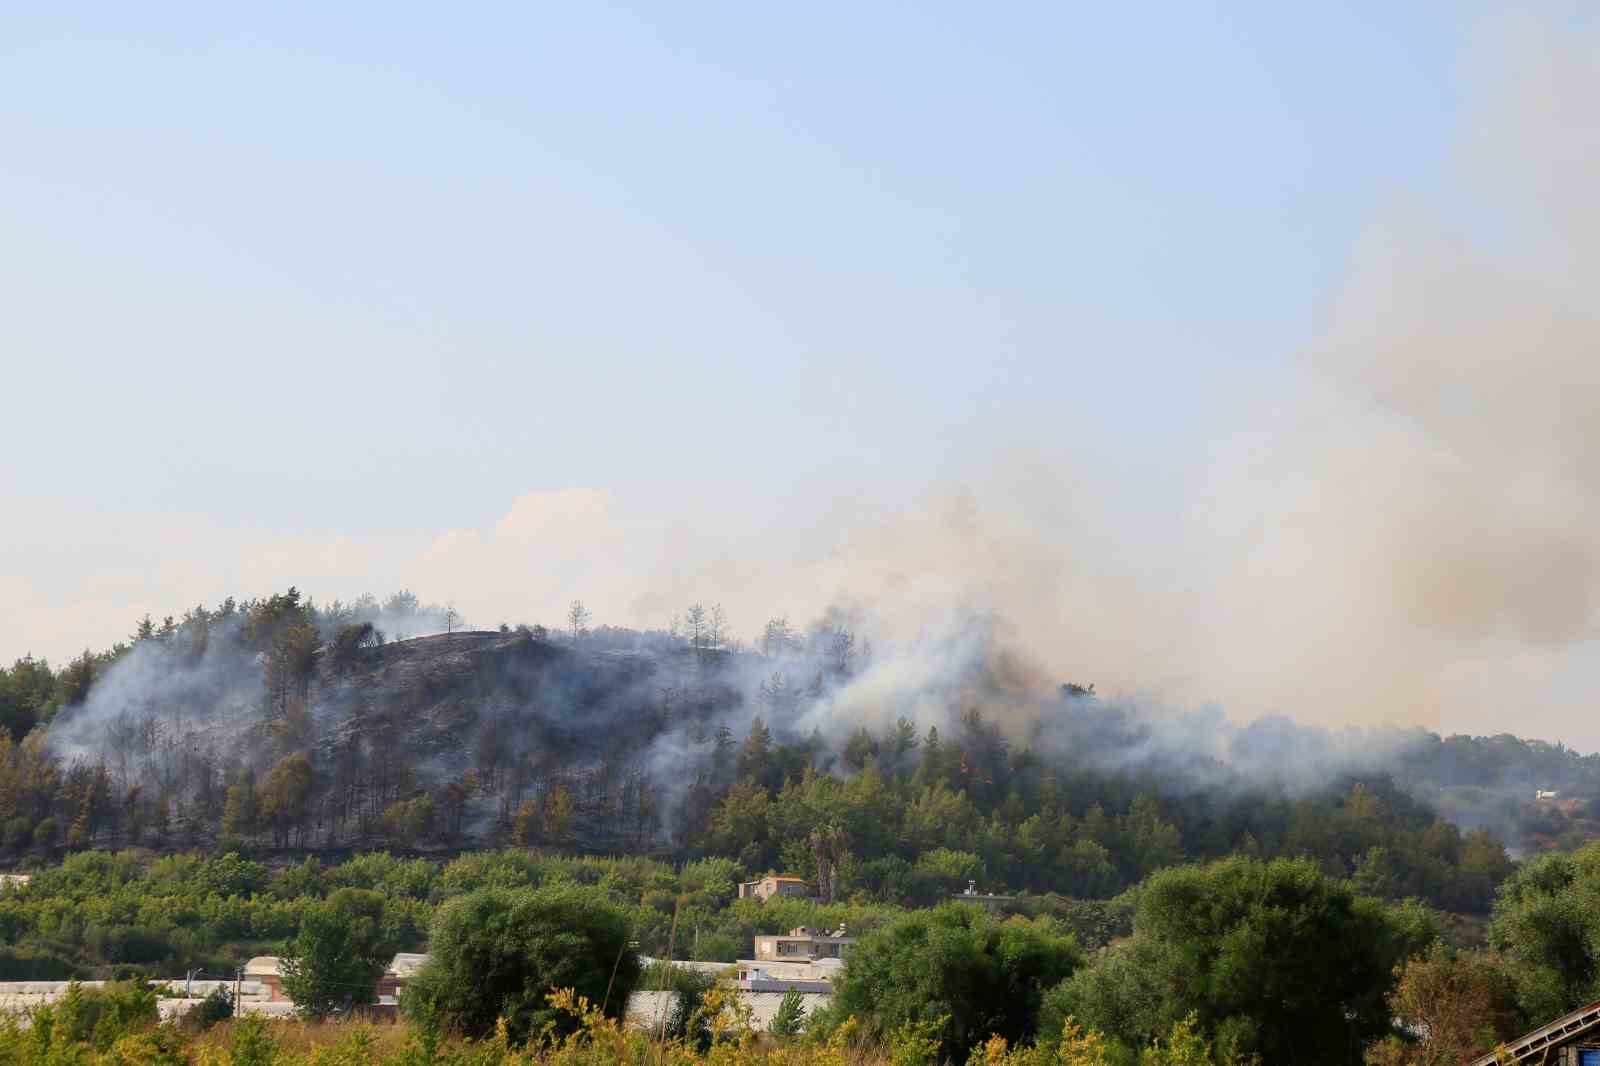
x,y
281,724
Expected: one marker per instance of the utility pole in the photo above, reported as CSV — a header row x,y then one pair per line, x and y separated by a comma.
x,y
626,944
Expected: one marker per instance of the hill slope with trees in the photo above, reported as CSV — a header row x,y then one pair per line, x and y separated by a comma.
x,y
283,725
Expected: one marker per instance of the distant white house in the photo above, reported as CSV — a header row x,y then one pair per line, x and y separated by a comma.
x,y
20,998
266,971
401,969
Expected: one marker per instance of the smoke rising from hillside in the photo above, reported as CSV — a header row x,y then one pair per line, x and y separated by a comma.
x,y
1431,492
1402,527
1398,528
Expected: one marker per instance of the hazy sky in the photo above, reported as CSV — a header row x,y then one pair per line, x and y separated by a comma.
x,y
1099,316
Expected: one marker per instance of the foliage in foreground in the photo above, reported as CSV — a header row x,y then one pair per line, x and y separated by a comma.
x,y
117,1026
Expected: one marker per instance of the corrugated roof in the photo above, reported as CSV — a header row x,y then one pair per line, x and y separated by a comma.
x,y
712,968
407,963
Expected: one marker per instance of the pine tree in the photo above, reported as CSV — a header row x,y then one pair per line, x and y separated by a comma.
x,y
791,1015
241,811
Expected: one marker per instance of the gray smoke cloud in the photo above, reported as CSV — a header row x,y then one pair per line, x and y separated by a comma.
x,y
1426,543
164,698
1399,530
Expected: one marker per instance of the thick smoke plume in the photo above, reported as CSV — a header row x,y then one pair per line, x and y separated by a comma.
x,y
1399,530
1432,494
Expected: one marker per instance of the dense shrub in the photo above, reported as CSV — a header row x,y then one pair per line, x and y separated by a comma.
x,y
496,953
957,967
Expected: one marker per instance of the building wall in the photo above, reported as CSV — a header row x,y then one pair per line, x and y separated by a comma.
x,y
800,948
768,887
647,1010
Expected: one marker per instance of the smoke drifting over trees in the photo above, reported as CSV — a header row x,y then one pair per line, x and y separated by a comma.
x,y
1392,528
863,760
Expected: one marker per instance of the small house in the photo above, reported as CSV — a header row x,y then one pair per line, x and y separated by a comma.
x,y
805,960
402,968
767,887
267,971
803,944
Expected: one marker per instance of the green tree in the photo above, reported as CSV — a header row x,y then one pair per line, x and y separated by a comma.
x,y
790,1016
528,824
286,796
738,825
496,953
241,810
95,1016
216,1007
1547,924
560,810
338,955
861,746
943,871
756,753
956,966
26,691
292,663
410,821
76,680
1274,958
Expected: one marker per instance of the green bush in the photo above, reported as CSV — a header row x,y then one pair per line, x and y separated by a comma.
x,y
956,964
496,953
1275,958
216,1007
1547,924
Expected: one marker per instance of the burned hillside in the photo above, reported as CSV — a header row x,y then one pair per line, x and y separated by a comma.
x,y
860,761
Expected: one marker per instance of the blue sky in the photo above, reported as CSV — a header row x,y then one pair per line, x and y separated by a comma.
x,y
300,293
465,238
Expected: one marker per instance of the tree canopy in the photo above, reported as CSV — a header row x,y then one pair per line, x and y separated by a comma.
x,y
497,953
1547,924
958,967
335,959
1274,958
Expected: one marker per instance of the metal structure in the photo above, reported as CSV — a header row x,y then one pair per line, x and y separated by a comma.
x,y
1537,1045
